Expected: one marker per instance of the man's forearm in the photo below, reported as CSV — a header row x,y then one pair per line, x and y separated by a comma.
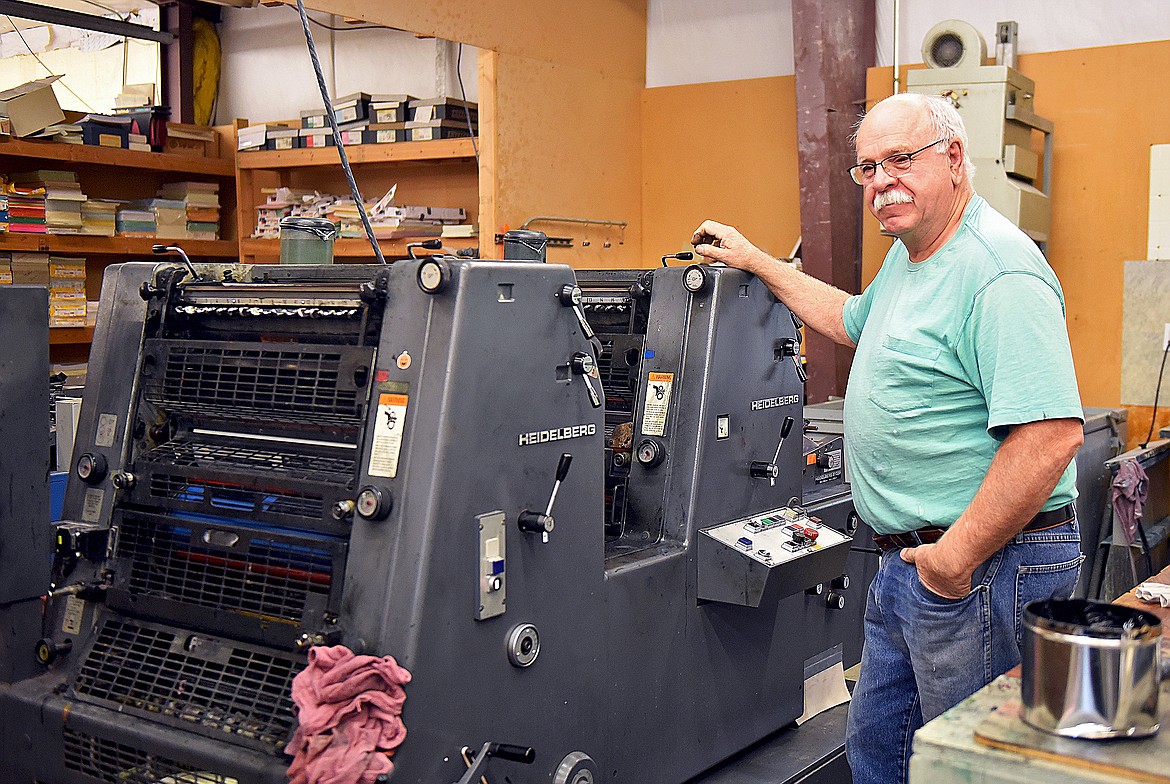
x,y
1021,478
818,304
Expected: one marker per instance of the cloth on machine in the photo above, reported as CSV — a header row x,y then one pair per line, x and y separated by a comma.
x,y
1130,488
349,709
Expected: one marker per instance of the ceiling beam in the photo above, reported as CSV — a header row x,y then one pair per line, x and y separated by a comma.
x,y
99,24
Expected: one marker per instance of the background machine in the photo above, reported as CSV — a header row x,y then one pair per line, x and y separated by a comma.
x,y
273,458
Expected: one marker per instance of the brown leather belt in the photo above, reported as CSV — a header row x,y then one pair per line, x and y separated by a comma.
x,y
931,534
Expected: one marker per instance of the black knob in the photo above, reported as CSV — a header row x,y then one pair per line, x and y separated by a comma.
x,y
582,363
48,651
835,601
761,470
840,583
92,468
642,286
374,503
816,590
569,295
124,480
798,537
535,522
649,453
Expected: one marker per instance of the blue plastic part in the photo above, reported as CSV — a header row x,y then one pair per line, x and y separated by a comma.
x,y
649,353
57,482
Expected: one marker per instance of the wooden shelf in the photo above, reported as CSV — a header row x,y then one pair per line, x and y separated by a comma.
x,y
89,244
106,156
398,152
60,336
355,248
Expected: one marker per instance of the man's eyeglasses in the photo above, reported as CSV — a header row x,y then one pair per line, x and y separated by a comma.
x,y
896,164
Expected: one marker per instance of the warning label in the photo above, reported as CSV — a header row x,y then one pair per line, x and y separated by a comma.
x,y
388,435
657,403
74,610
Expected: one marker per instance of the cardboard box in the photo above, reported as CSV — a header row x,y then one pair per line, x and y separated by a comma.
x,y
384,133
389,108
444,109
32,106
316,137
436,129
187,139
351,108
282,139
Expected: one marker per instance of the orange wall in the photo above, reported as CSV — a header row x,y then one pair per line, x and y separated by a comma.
x,y
563,102
729,150
725,151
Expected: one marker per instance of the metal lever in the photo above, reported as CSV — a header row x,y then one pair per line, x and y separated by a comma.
x,y
686,255
570,297
160,249
522,754
790,347
760,469
435,244
585,366
535,522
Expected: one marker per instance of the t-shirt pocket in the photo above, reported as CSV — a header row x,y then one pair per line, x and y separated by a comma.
x,y
904,375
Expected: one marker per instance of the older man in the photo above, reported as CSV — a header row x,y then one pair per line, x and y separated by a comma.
x,y
962,418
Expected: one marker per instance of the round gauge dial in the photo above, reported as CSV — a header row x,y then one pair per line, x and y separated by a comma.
x,y
694,278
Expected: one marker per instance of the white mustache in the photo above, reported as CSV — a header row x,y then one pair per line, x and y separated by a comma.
x,y
886,198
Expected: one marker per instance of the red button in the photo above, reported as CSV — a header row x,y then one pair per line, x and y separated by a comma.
x,y
812,533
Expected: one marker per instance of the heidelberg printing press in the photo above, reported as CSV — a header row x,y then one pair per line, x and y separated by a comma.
x,y
569,505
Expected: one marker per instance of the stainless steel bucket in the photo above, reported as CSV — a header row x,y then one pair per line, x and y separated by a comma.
x,y
1090,670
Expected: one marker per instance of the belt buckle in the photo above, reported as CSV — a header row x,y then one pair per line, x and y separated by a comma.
x,y
914,535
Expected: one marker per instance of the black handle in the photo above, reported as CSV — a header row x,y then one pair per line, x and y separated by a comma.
x,y
786,428
158,248
508,751
563,466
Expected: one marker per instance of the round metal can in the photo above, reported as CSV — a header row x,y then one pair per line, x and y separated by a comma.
x,y
307,240
1090,670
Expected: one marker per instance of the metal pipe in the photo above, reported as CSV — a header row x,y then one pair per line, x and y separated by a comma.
x,y
101,24
554,219
897,29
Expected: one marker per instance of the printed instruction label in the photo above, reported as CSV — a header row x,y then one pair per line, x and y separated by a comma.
x,y
74,609
657,403
388,431
91,510
107,427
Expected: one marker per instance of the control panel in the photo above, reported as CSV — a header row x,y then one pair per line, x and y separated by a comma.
x,y
777,536
737,560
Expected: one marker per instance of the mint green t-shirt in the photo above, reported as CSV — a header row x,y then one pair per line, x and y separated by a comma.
x,y
951,351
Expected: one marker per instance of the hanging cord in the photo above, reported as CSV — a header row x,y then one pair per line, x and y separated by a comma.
x,y
466,114
1157,391
42,62
353,188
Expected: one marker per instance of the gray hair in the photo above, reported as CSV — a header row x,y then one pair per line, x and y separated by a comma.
x,y
944,122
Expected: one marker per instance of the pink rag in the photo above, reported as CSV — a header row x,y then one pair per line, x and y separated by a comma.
x,y
349,710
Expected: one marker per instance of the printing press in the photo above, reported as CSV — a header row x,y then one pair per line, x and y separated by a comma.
x,y
569,504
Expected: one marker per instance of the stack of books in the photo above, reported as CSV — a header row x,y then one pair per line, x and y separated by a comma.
x,y
200,206
67,304
26,209
132,221
5,268
3,208
98,217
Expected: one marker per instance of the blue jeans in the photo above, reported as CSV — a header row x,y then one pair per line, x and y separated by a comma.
x,y
924,653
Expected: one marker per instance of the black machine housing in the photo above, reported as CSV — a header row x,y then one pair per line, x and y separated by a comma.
x,y
272,458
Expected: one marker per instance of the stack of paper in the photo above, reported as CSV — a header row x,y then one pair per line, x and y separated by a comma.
x,y
170,216
200,205
134,221
63,198
30,268
26,209
5,268
67,304
98,217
